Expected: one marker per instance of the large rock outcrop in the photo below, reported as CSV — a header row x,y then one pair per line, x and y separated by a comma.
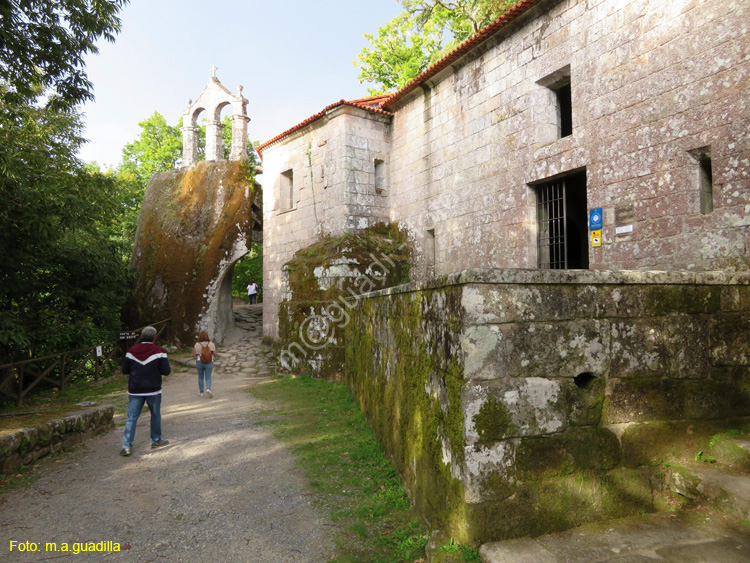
x,y
195,224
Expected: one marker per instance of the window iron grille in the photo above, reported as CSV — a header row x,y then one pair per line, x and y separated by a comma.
x,y
552,249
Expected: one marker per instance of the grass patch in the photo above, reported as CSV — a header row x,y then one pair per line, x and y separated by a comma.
x,y
347,470
459,552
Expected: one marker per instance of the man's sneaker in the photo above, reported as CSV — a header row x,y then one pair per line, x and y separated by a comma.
x,y
208,392
200,394
159,444
126,451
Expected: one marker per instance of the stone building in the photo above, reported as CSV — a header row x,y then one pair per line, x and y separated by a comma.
x,y
501,154
536,373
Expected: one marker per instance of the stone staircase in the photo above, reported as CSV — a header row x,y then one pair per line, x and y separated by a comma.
x,y
712,524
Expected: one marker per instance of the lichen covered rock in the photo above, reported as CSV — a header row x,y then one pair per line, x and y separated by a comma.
x,y
194,225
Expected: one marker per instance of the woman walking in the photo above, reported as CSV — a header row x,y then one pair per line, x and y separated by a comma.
x,y
205,351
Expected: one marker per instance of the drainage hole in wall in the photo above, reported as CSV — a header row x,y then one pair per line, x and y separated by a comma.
x,y
584,380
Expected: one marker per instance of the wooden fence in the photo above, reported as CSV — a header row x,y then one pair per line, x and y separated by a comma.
x,y
19,378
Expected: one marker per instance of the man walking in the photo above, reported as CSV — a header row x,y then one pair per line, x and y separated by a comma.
x,y
145,363
252,292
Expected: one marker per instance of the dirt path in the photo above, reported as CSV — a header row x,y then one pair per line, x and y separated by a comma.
x,y
223,489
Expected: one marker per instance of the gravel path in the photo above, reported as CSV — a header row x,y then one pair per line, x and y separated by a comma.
x,y
223,490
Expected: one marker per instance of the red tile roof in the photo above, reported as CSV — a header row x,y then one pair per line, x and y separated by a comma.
x,y
380,104
372,104
484,33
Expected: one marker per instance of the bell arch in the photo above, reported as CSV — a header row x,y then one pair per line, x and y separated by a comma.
x,y
213,99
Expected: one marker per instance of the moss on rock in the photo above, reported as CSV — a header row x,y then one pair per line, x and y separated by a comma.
x,y
493,422
188,226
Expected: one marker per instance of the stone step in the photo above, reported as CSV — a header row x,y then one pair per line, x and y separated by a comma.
x,y
670,537
725,488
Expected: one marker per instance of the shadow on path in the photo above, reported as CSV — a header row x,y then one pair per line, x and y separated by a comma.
x,y
223,489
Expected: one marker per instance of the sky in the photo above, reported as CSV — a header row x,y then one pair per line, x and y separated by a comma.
x,y
293,58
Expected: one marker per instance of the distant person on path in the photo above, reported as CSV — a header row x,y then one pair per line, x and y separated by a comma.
x,y
205,351
252,292
145,363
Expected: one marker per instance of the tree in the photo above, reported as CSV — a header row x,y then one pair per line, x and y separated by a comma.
x,y
64,280
43,45
422,34
158,148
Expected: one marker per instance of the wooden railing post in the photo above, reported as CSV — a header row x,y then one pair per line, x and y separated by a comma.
x,y
19,376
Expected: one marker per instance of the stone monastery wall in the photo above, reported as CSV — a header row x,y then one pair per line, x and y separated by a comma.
x,y
328,173
638,107
650,82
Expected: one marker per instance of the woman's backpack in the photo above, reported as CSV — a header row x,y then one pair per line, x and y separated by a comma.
x,y
206,356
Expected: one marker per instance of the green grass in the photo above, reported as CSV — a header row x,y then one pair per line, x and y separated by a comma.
x,y
347,471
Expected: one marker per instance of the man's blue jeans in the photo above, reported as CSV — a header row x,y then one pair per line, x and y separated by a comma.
x,y
135,406
204,370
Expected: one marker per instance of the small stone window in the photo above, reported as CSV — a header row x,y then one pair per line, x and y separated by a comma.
x,y
286,190
564,109
430,250
560,100
380,176
705,178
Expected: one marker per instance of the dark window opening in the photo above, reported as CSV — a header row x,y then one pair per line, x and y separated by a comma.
x,y
706,184
562,241
565,109
286,199
429,243
379,176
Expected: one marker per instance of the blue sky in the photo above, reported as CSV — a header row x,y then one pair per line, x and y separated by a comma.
x,y
293,58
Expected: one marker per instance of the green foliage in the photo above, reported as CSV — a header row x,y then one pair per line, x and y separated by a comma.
x,y
44,45
468,554
422,34
347,470
65,279
704,459
158,148
249,267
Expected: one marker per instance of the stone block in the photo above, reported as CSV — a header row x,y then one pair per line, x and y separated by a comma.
x,y
483,352
608,301
653,399
638,348
563,349
730,340
654,443
489,472
518,303
549,505
502,409
661,300
578,449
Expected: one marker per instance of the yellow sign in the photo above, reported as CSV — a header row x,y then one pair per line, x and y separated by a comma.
x,y
596,238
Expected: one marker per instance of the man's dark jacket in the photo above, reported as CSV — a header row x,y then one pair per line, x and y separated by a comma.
x,y
146,363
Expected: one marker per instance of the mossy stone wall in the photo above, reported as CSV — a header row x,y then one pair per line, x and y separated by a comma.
x,y
323,284
519,402
24,446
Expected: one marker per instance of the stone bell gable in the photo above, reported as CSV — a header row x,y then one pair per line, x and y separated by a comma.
x,y
212,100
